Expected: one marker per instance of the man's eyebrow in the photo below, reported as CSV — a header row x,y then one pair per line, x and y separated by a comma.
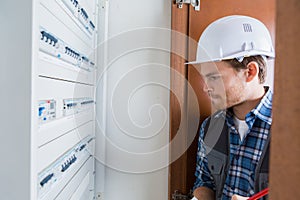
x,y
211,74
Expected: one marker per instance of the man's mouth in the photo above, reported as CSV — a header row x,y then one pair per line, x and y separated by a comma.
x,y
213,96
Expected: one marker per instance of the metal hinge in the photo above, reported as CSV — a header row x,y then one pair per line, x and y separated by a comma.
x,y
194,3
177,195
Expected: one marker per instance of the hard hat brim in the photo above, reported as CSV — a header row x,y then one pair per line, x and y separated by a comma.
x,y
269,55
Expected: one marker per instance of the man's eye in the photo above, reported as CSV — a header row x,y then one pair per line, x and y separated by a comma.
x,y
213,78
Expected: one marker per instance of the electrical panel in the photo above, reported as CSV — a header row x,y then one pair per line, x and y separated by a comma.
x,y
64,94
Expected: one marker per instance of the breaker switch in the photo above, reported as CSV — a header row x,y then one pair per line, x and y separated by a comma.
x,y
46,179
84,14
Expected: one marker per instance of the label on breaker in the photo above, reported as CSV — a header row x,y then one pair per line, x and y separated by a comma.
x,y
47,110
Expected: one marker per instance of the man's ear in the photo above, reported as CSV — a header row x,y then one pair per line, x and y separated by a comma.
x,y
252,71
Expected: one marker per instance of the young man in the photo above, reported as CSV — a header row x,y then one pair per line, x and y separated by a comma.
x,y
233,147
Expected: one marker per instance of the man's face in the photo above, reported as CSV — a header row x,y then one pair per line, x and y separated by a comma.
x,y
224,85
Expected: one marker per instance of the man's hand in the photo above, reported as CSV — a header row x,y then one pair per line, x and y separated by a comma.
x,y
238,197
204,193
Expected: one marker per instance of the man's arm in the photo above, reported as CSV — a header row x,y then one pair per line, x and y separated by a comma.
x,y
204,193
204,184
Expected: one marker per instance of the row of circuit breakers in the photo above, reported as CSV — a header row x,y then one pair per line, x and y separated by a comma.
x,y
54,178
61,171
80,15
47,108
53,46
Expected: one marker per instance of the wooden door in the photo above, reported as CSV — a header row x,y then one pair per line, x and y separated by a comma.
x,y
192,23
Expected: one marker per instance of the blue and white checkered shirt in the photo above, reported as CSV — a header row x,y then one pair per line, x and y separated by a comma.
x,y
240,178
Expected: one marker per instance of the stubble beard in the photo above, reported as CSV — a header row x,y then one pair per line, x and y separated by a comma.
x,y
233,96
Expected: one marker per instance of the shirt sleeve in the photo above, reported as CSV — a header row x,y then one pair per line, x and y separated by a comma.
x,y
203,174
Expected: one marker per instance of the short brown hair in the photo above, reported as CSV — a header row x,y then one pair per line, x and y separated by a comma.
x,y
243,65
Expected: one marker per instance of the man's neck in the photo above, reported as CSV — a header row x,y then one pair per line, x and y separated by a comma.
x,y
242,109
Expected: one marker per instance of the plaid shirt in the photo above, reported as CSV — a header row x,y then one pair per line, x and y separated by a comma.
x,y
244,155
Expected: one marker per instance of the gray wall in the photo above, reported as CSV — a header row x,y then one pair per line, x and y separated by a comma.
x,y
15,88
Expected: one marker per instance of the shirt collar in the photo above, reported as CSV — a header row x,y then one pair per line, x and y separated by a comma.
x,y
262,111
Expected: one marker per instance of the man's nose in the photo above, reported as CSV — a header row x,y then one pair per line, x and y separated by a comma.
x,y
206,88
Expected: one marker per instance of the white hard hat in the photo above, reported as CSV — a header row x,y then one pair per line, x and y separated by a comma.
x,y
232,37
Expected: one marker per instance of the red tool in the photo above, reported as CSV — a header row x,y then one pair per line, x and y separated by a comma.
x,y
259,194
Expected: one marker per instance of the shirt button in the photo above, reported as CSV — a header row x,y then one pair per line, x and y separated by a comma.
x,y
237,157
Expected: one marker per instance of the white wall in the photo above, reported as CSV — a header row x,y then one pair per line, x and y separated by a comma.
x,y
270,74
137,101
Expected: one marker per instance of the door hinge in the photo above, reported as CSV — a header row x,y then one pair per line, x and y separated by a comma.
x,y
177,195
194,3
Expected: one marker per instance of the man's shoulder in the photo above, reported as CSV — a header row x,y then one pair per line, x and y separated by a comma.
x,y
215,121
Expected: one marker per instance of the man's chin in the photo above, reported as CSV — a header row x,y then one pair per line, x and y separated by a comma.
x,y
218,106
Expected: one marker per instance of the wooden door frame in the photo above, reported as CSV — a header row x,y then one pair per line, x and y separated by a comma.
x,y
178,86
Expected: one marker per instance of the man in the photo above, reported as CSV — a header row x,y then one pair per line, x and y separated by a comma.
x,y
233,149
